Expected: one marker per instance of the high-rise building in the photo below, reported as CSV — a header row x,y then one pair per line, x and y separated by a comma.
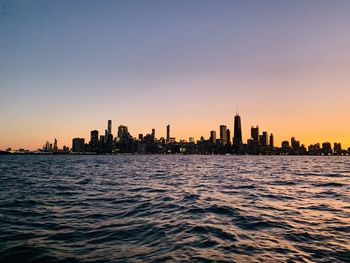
x,y
327,148
228,136
294,143
285,145
123,134
94,142
153,134
55,147
237,139
168,133
213,137
254,134
223,134
109,128
47,146
272,142
337,148
78,145
264,141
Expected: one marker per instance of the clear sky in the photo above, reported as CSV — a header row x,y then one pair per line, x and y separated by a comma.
x,y
66,67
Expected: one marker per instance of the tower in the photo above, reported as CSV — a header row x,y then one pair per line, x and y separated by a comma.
x,y
237,139
94,142
153,134
228,136
109,129
223,134
213,137
55,147
272,143
168,133
254,133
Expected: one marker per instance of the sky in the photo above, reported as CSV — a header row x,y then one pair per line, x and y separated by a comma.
x,y
66,67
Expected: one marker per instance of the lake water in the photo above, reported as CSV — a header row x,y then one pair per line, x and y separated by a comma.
x,y
153,208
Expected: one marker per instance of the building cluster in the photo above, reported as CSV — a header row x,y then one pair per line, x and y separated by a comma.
x,y
221,143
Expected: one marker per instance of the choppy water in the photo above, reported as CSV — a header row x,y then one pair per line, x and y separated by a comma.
x,y
174,208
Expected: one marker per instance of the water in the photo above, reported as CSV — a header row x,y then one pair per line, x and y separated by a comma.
x,y
174,208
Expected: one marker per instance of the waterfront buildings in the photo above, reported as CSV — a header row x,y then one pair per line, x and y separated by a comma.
x,y
124,142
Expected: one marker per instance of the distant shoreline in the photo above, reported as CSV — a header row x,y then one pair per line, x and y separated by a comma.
x,y
145,154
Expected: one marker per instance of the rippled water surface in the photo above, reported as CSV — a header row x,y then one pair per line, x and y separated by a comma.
x,y
174,208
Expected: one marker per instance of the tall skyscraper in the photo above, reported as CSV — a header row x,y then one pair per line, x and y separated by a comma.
x,y
264,139
213,137
94,142
223,134
228,136
272,143
109,129
237,140
153,134
254,133
168,133
123,133
55,147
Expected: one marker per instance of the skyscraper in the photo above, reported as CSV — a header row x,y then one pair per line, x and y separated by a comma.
x,y
228,136
94,142
153,134
264,139
213,137
55,147
168,133
254,133
78,145
237,140
223,134
109,129
272,143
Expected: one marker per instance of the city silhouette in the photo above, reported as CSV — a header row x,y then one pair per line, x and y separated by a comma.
x,y
260,143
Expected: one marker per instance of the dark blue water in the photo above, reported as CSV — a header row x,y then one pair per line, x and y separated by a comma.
x,y
174,208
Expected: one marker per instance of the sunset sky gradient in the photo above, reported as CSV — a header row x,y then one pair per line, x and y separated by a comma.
x,y
66,67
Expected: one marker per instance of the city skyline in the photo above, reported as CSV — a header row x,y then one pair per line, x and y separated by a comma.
x,y
259,143
162,133
65,68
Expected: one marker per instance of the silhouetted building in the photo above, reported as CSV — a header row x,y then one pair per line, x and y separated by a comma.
x,y
237,139
326,148
228,136
254,133
109,127
264,139
153,134
55,147
94,142
78,145
168,133
294,143
285,145
213,137
223,134
272,142
337,149
123,134
314,149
